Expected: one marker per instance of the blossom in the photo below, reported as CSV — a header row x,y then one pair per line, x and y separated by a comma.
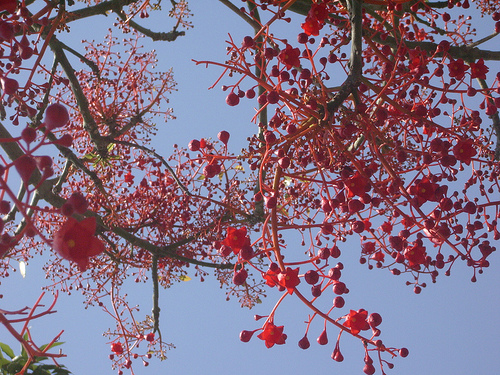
x,y
464,151
478,69
311,26
356,321
425,190
290,56
76,242
457,68
315,19
289,279
236,238
271,275
357,185
117,348
415,255
272,335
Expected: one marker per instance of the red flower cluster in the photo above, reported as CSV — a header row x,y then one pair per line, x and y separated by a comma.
x,y
236,239
288,279
76,242
356,321
272,335
315,19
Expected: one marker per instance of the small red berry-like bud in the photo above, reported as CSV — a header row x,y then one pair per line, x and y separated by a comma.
x,y
66,140
210,170
240,277
250,93
43,162
246,252
324,253
28,135
150,337
232,99
270,137
311,277
194,145
369,369
25,165
374,320
248,42
302,38
470,208
9,85
339,288
223,136
284,162
270,202
358,226
337,355
338,302
334,273
79,203
304,343
56,115
225,251
273,97
403,352
245,336
322,338
335,252
316,290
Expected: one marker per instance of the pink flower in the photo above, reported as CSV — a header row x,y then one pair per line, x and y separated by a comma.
x,y
76,242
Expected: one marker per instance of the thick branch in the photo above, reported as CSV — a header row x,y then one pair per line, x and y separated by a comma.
x,y
356,63
89,123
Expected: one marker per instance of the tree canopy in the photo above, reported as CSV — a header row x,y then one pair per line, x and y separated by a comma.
x,y
376,119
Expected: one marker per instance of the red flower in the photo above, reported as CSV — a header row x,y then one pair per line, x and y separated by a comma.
x,y
356,185
311,26
272,335
290,56
464,151
426,191
236,238
457,68
271,276
315,19
117,348
478,69
415,255
356,321
76,242
289,279
319,12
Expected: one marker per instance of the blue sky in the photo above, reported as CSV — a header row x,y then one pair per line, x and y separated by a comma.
x,y
450,328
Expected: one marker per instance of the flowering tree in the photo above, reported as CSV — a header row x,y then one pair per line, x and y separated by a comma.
x,y
380,119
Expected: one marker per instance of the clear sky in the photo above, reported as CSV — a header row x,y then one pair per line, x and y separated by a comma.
x,y
452,327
